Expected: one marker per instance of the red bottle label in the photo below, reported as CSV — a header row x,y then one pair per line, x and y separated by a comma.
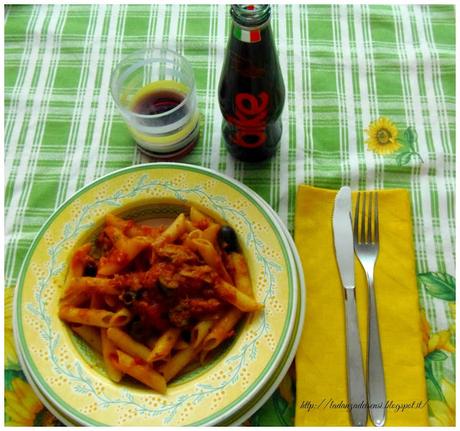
x,y
250,119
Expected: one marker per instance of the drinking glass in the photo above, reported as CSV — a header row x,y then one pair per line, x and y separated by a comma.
x,y
155,92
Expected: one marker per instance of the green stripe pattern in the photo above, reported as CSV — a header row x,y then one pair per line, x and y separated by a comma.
x,y
344,67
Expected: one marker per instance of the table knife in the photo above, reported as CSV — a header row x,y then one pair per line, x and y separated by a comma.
x,y
343,242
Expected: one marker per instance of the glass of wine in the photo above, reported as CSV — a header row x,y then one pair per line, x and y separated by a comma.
x,y
155,92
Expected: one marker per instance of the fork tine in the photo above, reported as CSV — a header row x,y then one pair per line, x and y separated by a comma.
x,y
369,220
363,220
376,219
356,219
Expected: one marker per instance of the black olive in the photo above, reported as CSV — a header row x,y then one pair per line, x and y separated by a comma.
x,y
129,297
227,239
90,269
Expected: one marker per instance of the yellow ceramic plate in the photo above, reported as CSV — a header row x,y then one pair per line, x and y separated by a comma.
x,y
70,375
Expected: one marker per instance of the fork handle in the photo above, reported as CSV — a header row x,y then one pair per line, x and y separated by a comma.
x,y
376,393
355,372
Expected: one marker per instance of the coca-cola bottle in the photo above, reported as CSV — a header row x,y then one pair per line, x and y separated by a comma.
x,y
251,88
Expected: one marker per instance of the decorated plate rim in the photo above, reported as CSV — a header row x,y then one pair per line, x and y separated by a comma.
x,y
248,194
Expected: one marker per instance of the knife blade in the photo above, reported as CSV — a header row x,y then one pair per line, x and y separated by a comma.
x,y
343,243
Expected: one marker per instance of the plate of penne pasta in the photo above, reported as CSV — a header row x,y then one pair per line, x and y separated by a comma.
x,y
160,294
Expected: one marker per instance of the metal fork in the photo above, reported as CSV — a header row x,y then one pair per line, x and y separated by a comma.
x,y
366,243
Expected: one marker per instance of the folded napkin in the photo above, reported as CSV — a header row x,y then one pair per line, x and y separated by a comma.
x,y
321,357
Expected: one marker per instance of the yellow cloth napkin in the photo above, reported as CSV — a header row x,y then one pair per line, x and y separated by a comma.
x,y
321,358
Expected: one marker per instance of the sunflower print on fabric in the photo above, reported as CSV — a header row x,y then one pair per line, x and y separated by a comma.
x,y
384,138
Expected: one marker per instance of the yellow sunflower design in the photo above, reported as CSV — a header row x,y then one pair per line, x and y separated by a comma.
x,y
384,139
439,350
443,412
11,358
441,391
23,408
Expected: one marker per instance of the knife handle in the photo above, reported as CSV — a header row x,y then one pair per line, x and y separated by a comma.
x,y
355,372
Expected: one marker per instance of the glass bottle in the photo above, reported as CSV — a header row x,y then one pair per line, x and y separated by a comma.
x,y
251,88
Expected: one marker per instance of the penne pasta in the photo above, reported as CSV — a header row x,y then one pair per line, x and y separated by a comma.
x,y
189,226
86,316
224,327
97,301
109,351
74,298
124,342
181,345
222,330
90,334
164,345
93,284
132,229
175,229
188,241
156,300
211,257
79,260
178,362
77,269
120,317
241,273
141,372
125,250
200,331
113,220
197,216
239,299
210,233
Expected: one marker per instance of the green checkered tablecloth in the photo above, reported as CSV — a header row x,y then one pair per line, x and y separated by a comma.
x,y
344,68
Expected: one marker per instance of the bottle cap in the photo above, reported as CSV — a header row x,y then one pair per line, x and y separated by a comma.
x,y
250,15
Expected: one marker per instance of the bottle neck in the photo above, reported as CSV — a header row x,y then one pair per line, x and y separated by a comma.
x,y
250,22
250,16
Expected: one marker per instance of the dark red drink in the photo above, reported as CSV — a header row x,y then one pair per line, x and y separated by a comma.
x,y
157,102
251,89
